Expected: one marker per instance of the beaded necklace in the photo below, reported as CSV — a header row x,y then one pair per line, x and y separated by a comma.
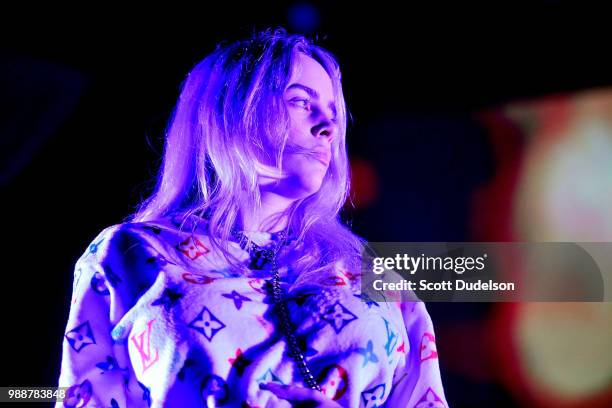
x,y
270,254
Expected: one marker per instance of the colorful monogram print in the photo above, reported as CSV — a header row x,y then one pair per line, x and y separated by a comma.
x,y
160,319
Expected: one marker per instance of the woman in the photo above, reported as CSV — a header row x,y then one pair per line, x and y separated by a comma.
x,y
236,284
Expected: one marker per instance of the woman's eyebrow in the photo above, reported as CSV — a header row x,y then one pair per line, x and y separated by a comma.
x,y
308,90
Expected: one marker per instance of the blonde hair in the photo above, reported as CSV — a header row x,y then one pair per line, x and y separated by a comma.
x,y
229,115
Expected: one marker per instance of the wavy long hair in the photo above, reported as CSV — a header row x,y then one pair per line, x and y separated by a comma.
x,y
230,115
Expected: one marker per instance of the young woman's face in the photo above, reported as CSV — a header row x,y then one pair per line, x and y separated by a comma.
x,y
309,98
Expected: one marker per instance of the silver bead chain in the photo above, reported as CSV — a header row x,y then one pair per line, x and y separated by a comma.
x,y
281,307
289,330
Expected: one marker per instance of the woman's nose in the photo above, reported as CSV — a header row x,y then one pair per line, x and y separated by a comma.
x,y
326,128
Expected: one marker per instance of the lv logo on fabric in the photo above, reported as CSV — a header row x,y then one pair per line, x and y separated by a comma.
x,y
142,342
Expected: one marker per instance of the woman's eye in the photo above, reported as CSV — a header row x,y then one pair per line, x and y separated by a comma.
x,y
302,103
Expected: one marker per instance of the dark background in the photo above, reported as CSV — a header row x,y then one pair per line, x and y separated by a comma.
x,y
86,93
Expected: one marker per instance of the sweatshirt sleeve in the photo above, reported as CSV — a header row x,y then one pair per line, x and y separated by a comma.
x,y
95,368
417,383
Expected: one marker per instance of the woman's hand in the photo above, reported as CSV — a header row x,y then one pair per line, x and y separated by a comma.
x,y
300,397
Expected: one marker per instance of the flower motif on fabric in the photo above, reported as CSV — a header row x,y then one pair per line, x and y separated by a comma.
x,y
214,391
168,299
334,381
109,365
367,353
430,400
338,316
367,300
78,395
77,278
428,347
392,338
237,298
258,285
80,337
240,362
373,398
352,277
206,324
198,279
333,281
192,248
98,284
269,376
93,248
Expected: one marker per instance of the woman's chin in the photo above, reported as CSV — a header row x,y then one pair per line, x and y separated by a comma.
x,y
302,190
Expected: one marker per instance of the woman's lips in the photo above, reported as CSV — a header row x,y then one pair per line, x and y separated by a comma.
x,y
321,157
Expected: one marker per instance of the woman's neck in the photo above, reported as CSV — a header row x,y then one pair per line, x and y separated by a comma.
x,y
272,216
